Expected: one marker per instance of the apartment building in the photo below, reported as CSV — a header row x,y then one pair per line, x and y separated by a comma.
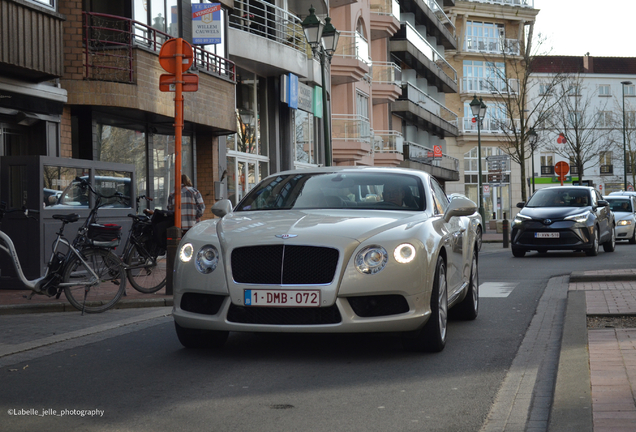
x,y
389,79
490,35
601,105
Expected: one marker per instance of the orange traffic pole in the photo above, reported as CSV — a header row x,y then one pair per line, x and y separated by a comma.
x,y
178,129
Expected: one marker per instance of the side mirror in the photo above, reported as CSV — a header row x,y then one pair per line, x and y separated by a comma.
x,y
603,203
460,207
521,204
221,208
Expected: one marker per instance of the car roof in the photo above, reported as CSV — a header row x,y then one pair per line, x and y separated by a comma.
x,y
365,169
624,193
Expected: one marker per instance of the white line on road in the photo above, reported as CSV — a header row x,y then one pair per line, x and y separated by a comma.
x,y
496,289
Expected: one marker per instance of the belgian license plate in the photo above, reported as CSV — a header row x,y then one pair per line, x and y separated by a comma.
x,y
546,235
293,298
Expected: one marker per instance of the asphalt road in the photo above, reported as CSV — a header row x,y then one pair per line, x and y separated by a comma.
x,y
137,377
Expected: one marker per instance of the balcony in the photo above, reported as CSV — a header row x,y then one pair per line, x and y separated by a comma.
x,y
430,14
488,125
520,3
492,45
387,82
574,170
385,18
477,85
607,169
547,170
445,167
31,47
414,50
351,137
267,38
351,60
387,148
420,109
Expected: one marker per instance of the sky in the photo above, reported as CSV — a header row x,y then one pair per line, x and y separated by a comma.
x,y
575,27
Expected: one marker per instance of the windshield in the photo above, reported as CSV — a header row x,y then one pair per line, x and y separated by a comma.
x,y
371,191
560,198
620,205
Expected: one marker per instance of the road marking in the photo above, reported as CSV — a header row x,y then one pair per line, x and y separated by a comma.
x,y
496,289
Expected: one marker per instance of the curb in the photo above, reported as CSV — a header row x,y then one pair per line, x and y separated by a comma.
x,y
615,277
66,307
572,403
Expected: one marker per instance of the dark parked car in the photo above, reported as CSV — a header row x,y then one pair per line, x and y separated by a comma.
x,y
564,218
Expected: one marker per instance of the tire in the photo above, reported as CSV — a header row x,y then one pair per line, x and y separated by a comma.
x,y
468,309
479,237
518,253
432,337
148,279
610,245
200,339
594,250
106,292
632,240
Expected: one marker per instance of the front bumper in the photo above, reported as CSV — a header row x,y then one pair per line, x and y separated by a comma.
x,y
572,236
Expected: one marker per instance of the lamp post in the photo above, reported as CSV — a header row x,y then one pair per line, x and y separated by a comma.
x,y
478,107
624,83
533,143
323,40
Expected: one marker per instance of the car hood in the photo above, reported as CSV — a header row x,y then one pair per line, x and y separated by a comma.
x,y
326,227
553,212
619,215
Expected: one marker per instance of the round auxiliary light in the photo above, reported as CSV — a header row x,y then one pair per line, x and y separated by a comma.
x,y
186,252
404,253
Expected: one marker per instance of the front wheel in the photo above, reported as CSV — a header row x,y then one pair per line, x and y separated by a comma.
x,y
469,307
518,253
610,245
145,273
632,239
96,292
432,337
594,250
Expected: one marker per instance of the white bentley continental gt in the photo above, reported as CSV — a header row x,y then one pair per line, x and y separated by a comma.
x,y
326,250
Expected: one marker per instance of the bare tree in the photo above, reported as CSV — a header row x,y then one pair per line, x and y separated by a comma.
x,y
513,113
582,122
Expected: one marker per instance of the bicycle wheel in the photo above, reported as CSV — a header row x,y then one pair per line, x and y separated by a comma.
x,y
86,293
146,275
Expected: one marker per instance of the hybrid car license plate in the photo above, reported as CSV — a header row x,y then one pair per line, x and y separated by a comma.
x,y
547,235
294,298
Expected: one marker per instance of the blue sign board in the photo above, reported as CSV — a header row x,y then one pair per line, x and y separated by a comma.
x,y
293,91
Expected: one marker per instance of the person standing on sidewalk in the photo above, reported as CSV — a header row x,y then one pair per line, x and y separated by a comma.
x,y
192,204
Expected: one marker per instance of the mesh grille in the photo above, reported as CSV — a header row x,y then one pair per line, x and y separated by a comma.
x,y
379,305
284,315
206,304
286,265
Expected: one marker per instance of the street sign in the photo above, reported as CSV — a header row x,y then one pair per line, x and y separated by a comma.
x,y
495,178
167,58
497,158
437,151
630,188
167,82
486,189
561,168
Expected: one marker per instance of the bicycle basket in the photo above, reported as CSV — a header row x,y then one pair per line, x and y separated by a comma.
x,y
104,235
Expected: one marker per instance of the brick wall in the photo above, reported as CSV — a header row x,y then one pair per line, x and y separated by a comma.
x,y
73,50
66,143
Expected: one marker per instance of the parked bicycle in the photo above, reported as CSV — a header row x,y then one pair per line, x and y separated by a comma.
x,y
90,274
145,249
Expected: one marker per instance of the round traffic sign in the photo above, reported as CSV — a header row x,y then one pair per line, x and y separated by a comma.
x,y
167,58
561,168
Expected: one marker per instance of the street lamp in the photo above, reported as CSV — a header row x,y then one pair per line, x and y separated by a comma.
x,y
624,83
533,143
323,40
478,107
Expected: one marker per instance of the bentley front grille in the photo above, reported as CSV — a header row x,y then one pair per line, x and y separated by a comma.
x,y
284,265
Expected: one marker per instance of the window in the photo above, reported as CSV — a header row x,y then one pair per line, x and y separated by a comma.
x,y
574,90
439,197
482,76
575,118
305,148
605,119
486,37
362,104
606,162
545,89
48,3
604,90
630,118
547,165
630,90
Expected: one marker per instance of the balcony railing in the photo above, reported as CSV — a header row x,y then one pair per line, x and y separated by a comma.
x,y
489,85
386,7
521,3
389,141
547,170
386,73
488,125
422,154
352,45
607,169
429,51
109,42
350,127
420,98
441,16
575,170
492,45
264,19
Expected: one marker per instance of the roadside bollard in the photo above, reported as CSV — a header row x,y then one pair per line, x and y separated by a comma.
x,y
174,237
505,227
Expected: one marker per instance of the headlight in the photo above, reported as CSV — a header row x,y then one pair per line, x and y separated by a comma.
x,y
207,259
624,222
521,218
371,259
578,217
404,253
185,254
